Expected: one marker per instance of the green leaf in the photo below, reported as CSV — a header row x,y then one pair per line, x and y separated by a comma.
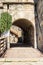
x,y
5,22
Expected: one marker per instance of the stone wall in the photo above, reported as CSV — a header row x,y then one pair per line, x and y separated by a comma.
x,y
17,1
20,10
16,10
40,24
23,9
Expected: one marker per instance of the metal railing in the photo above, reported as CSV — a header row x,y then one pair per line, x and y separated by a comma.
x,y
3,46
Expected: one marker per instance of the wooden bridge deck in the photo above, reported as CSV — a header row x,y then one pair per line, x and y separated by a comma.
x,y
22,56
22,52
19,55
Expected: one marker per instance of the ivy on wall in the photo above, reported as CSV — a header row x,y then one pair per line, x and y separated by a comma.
x,y
5,22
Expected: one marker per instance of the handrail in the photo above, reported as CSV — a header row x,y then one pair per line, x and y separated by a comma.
x,y
3,46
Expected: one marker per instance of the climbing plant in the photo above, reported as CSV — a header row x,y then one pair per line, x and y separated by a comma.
x,y
5,22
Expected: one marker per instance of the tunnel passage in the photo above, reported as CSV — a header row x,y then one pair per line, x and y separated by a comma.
x,y
28,31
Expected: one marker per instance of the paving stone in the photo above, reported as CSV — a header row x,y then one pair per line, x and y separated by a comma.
x,y
2,59
36,63
1,63
17,63
21,63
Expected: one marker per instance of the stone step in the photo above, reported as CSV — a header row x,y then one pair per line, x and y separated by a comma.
x,y
30,61
21,59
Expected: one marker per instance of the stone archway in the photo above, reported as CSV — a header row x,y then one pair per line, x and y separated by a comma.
x,y
28,30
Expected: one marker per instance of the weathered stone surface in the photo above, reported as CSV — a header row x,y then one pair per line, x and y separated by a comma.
x,y
22,11
32,61
40,24
22,63
18,1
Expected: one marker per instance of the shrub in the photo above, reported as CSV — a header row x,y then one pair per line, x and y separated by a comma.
x,y
5,22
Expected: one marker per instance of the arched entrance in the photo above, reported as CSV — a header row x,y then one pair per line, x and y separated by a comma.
x,y
28,31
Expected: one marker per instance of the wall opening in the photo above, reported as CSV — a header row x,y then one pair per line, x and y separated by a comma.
x,y
27,28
